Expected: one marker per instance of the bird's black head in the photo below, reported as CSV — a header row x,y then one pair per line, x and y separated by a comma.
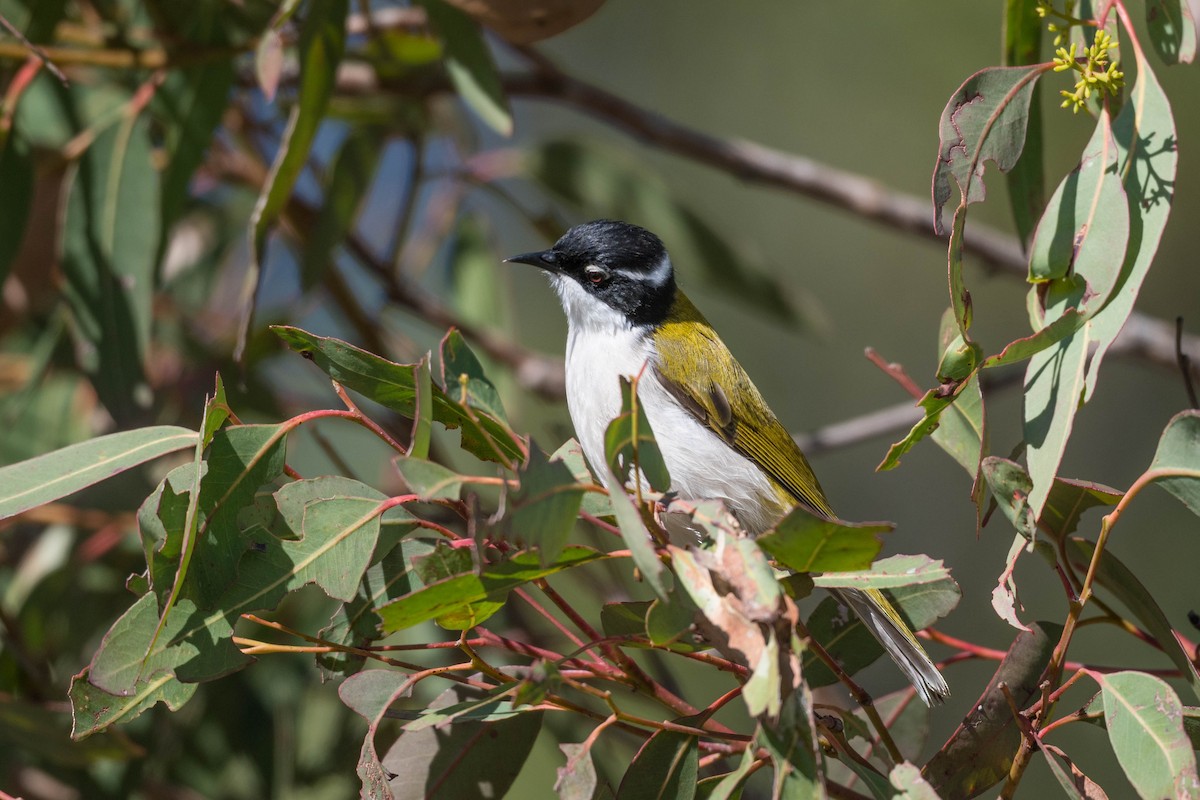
x,y
622,265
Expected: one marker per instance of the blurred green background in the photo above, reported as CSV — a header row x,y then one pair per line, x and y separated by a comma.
x,y
857,87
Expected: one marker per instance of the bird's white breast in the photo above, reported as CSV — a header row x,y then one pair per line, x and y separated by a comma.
x,y
601,348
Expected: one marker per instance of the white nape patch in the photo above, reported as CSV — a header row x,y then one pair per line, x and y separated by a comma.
x,y
601,347
655,277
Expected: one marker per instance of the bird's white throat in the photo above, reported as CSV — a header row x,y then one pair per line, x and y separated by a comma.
x,y
602,347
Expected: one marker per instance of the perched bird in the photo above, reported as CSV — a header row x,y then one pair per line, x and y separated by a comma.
x,y
718,438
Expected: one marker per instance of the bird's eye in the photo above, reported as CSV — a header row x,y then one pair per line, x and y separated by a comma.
x,y
596,275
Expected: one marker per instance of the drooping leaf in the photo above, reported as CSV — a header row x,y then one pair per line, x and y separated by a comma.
x,y
451,599
45,478
109,260
978,754
1067,502
470,65
1145,728
1176,465
806,542
984,120
665,766
1174,29
370,694
1146,139
322,42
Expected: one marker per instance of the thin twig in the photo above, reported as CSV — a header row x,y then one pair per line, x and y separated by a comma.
x,y
36,50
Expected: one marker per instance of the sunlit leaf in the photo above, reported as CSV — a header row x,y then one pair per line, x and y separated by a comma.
x,y
807,542
1145,727
888,573
1173,29
45,478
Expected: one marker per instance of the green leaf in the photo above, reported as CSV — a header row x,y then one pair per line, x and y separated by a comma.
x,y
571,455
45,478
394,386
1085,227
109,260
1024,348
350,176
1010,486
1054,388
1173,29
847,639
807,542
466,760
355,624
93,709
911,784
470,65
1026,182
455,595
16,171
984,120
887,573
935,402
668,622
1116,578
605,182
322,42
637,538
1176,465
666,766
463,378
429,480
1069,499
961,430
979,752
629,445
791,740
370,694
542,511
1146,138
422,428
333,524
1145,727
727,786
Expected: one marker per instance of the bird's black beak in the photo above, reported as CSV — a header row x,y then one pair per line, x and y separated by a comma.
x,y
544,259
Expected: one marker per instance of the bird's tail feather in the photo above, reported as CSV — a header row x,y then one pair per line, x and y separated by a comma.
x,y
885,624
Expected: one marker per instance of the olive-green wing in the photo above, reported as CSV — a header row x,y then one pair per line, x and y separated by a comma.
x,y
696,367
